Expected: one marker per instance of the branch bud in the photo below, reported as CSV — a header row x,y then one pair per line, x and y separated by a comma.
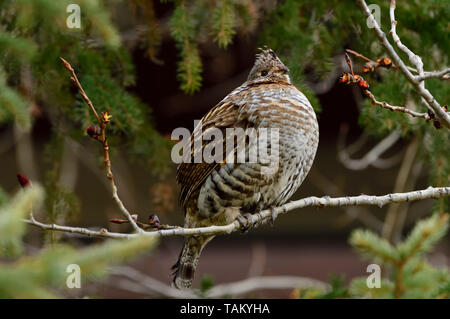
x,y
385,62
153,220
23,181
106,117
369,67
437,124
94,131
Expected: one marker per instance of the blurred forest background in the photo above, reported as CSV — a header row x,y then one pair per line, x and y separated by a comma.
x,y
159,65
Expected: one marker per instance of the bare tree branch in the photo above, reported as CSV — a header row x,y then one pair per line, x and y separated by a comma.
x,y
371,157
429,99
437,74
396,108
263,216
141,283
413,58
426,74
264,282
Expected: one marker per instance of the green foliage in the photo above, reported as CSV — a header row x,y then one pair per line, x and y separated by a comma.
x,y
370,245
11,214
358,288
60,203
195,22
40,276
308,34
14,47
33,35
424,236
224,23
14,108
183,30
421,240
44,275
206,284
413,276
338,289
4,197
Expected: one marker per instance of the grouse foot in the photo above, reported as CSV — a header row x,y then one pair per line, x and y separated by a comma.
x,y
246,221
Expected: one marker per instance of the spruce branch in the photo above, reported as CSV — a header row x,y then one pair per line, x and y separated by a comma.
x,y
183,31
405,257
11,214
223,23
372,246
423,237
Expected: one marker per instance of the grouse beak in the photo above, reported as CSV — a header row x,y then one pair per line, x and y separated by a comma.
x,y
284,69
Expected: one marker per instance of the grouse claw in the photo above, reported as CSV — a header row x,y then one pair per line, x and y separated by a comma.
x,y
246,221
274,215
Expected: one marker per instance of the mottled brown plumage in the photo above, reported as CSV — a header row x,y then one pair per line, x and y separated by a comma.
x,y
217,193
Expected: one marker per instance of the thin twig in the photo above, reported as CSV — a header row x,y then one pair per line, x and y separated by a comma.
x,y
349,63
103,121
437,74
359,55
426,74
420,89
402,109
265,215
74,78
413,58
371,157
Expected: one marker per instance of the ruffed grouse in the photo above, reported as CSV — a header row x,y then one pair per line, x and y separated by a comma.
x,y
219,192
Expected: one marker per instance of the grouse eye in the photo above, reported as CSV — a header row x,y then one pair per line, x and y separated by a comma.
x,y
264,73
